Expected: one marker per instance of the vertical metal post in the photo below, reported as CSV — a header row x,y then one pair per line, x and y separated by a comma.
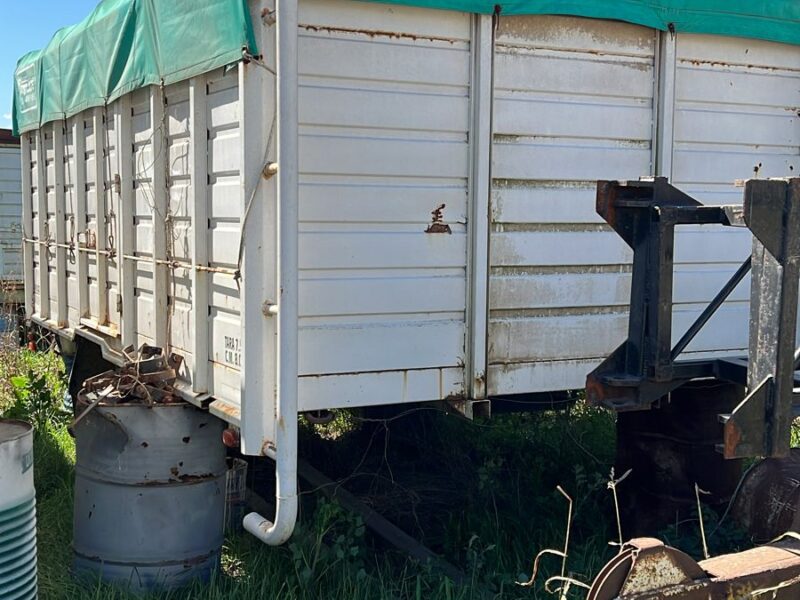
x,y
198,167
158,188
59,192
279,529
27,221
665,103
101,259
481,92
761,424
127,268
79,139
44,225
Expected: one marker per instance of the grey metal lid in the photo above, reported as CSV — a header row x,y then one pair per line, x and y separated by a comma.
x,y
13,430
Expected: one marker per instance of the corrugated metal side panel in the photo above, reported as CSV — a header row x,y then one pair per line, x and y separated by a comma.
x,y
736,117
224,211
573,104
120,240
384,142
180,242
38,220
10,215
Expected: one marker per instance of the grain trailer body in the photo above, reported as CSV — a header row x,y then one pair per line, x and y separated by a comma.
x,y
391,203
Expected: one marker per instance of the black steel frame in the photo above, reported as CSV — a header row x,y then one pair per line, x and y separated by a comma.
x,y
645,367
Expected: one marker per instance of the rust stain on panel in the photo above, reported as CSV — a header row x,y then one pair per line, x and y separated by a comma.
x,y
373,33
437,224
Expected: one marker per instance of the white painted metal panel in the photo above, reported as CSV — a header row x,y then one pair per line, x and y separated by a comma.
x,y
136,210
10,216
736,117
384,141
573,104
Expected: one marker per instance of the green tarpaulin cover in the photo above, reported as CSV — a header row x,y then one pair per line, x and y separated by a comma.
x,y
125,45
128,44
775,20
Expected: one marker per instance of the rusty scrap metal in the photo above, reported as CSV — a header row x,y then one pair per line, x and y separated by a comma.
x,y
146,377
646,569
768,501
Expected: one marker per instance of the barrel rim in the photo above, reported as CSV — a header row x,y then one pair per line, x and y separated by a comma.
x,y
27,426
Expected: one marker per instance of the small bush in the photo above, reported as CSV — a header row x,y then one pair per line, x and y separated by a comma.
x,y
32,388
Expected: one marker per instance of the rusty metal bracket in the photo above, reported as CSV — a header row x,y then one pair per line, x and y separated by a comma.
x,y
645,368
760,425
644,214
646,569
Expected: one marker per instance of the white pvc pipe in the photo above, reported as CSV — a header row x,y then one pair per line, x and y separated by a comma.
x,y
285,453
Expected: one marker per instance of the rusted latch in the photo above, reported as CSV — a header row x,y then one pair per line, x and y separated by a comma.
x,y
437,224
90,239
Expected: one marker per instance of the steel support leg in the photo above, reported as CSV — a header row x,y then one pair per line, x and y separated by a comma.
x,y
761,424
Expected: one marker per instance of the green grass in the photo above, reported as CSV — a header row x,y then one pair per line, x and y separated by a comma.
x,y
482,495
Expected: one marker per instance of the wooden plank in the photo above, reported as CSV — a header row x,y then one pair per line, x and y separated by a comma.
x,y
198,168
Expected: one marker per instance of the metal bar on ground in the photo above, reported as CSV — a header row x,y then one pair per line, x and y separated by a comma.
x,y
378,524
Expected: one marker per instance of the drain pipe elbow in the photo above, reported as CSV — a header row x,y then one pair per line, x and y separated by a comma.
x,y
278,532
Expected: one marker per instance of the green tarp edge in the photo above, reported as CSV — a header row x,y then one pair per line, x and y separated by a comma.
x,y
772,20
125,45
129,44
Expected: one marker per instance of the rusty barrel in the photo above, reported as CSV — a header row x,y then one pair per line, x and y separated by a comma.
x,y
149,495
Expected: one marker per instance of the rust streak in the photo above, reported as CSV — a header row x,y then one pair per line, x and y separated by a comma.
x,y
373,33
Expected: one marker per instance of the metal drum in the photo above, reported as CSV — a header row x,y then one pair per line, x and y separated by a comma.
x,y
17,512
149,495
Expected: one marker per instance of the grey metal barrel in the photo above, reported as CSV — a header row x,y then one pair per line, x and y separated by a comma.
x,y
17,512
149,495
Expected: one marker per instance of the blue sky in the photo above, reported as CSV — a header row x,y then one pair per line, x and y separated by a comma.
x,y
29,25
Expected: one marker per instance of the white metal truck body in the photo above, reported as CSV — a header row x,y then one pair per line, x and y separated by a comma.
x,y
437,223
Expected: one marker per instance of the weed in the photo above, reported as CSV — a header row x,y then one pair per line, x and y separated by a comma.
x,y
481,494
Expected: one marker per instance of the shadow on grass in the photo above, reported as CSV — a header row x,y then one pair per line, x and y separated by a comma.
x,y
481,494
